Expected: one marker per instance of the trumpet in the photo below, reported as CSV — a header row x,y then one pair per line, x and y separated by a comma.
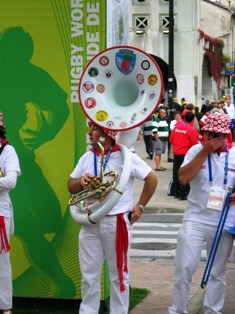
x,y
98,188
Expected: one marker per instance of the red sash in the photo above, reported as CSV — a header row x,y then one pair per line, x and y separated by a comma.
x,y
121,249
4,244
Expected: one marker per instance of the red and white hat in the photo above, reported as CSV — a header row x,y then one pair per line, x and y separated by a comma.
x,y
110,133
217,123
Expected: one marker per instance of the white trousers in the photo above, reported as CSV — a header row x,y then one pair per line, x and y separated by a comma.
x,y
191,240
95,243
5,274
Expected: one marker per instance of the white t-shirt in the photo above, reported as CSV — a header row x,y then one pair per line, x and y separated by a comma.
x,y
9,162
197,200
230,110
139,170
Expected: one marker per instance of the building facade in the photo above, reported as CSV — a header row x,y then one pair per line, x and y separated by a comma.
x,y
196,26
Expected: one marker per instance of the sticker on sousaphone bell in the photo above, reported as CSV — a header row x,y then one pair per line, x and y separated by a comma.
x,y
125,60
152,79
101,115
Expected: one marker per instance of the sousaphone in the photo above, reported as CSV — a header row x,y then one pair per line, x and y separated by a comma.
x,y
119,89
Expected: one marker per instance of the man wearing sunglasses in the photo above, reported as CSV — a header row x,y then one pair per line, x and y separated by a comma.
x,y
209,167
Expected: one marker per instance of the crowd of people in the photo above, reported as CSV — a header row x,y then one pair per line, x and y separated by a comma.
x,y
178,126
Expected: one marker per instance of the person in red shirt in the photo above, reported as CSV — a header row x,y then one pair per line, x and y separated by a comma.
x,y
182,138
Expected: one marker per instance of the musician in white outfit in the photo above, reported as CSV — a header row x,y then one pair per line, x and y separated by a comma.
x,y
209,167
110,237
9,169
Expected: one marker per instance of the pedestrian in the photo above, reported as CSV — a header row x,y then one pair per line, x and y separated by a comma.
x,y
182,138
9,170
198,115
183,103
194,123
178,116
230,110
110,237
209,167
147,135
206,107
160,137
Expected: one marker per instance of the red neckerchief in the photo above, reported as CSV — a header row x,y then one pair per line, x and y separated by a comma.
x,y
4,141
115,149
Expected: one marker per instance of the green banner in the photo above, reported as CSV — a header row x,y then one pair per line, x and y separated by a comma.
x,y
44,46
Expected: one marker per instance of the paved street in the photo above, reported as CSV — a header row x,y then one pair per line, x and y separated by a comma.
x,y
155,236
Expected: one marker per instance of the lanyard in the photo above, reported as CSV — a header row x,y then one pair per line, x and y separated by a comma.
x,y
105,161
225,168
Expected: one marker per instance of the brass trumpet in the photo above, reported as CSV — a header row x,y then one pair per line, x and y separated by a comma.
x,y
98,188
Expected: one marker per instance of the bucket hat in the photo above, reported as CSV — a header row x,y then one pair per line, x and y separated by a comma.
x,y
217,123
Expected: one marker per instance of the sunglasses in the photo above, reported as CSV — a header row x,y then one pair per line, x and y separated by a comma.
x,y
214,134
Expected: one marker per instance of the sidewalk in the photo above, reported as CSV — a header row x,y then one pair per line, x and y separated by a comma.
x,y
157,275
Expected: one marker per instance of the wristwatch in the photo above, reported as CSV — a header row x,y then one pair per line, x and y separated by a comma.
x,y
142,207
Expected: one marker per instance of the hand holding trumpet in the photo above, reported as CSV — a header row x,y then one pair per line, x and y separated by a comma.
x,y
86,179
77,185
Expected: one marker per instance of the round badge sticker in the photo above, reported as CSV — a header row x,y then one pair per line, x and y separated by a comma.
x,y
90,102
101,115
104,61
123,125
108,74
145,65
152,79
110,124
93,72
140,78
100,88
88,87
152,95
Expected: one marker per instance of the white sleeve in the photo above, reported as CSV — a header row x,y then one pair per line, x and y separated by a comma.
x,y
140,169
8,182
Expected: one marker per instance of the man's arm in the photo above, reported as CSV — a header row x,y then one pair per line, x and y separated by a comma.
x,y
188,172
149,188
155,125
76,185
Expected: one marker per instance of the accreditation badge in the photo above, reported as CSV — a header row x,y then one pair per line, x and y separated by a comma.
x,y
216,198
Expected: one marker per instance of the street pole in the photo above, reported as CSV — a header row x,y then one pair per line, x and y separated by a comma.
x,y
171,87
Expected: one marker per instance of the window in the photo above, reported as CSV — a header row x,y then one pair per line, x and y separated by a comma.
x,y
164,23
140,23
